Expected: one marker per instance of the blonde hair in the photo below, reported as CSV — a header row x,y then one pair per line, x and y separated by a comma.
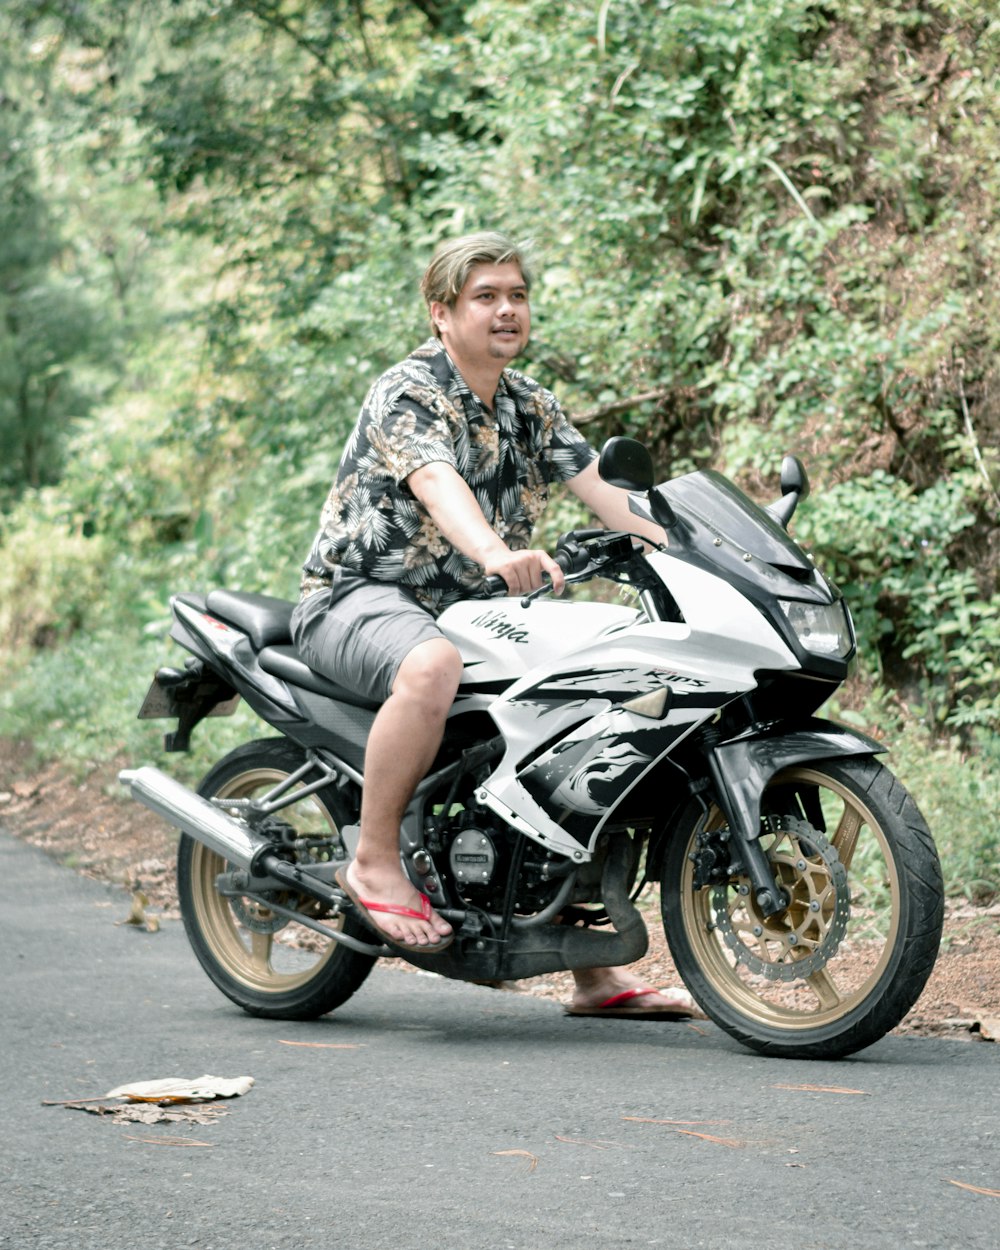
x,y
454,259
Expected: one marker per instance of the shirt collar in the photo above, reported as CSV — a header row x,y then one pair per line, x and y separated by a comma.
x,y
504,406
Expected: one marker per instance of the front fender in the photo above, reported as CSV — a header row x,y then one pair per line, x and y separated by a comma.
x,y
746,765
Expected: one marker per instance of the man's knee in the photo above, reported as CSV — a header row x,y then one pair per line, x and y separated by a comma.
x,y
430,674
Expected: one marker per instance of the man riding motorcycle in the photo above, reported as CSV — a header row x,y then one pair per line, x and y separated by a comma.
x,y
440,483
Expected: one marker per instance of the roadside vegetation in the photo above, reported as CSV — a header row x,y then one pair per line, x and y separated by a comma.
x,y
761,228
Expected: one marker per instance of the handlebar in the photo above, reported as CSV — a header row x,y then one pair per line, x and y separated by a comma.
x,y
495,587
573,557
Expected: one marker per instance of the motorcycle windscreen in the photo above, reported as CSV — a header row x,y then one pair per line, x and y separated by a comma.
x,y
718,509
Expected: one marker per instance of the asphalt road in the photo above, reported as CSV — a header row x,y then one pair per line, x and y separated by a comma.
x,y
440,1116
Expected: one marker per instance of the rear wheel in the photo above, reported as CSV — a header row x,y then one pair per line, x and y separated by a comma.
x,y
850,956
267,963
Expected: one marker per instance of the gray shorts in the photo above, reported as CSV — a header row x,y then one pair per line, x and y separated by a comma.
x,y
359,631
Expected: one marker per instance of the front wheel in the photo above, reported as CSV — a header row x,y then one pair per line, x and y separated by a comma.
x,y
264,961
849,957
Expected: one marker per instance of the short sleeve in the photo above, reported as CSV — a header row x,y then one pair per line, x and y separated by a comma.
x,y
415,430
566,452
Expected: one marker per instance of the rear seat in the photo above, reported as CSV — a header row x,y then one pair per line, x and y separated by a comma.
x,y
266,620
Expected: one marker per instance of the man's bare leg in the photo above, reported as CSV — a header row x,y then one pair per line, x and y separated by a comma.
x,y
403,742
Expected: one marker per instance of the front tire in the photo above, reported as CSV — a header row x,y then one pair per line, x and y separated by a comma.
x,y
851,955
268,965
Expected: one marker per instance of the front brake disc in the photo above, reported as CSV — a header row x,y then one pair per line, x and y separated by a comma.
x,y
802,939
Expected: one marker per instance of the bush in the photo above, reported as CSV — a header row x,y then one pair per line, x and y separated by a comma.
x,y
52,577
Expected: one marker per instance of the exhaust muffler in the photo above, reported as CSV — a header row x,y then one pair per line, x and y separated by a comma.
x,y
238,845
197,816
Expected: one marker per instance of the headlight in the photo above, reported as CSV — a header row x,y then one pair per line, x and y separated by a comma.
x,y
822,628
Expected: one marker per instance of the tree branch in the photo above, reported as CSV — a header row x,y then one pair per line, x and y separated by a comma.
x,y
618,405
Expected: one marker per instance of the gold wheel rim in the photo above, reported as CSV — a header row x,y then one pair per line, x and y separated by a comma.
x,y
833,991
255,959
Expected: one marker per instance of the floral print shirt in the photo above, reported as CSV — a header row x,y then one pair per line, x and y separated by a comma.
x,y
419,412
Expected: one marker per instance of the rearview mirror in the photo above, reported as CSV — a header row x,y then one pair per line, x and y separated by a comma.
x,y
794,488
626,463
794,479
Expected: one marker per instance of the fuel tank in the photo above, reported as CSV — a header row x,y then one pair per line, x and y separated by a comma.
x,y
500,641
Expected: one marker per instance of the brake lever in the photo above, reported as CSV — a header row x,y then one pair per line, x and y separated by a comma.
x,y
572,579
532,595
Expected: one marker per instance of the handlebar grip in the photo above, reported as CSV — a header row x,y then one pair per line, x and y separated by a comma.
x,y
494,586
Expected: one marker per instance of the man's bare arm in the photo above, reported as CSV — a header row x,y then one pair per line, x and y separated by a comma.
x,y
454,510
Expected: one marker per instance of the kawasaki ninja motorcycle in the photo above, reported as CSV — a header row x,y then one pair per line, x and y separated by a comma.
x,y
593,748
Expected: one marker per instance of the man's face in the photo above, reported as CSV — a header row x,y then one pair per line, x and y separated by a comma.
x,y
490,321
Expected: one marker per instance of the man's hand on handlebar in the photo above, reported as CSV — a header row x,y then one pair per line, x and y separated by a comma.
x,y
524,571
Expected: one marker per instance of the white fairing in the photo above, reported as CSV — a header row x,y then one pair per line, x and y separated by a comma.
x,y
721,627
609,655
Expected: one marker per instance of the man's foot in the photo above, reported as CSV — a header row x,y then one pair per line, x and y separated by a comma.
x,y
616,992
397,911
643,1003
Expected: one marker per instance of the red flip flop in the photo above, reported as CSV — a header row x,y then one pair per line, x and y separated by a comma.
x,y
367,906
620,1006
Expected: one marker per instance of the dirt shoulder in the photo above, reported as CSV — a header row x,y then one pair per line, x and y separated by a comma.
x,y
91,827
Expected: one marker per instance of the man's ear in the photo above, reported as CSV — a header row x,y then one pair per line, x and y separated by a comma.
x,y
439,315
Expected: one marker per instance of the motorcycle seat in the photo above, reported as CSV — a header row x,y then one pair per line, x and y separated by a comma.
x,y
285,662
264,618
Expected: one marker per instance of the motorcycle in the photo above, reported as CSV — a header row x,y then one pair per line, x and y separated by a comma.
x,y
593,748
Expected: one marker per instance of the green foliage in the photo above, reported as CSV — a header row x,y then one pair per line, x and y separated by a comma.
x,y
51,576
46,325
79,705
909,600
778,222
956,786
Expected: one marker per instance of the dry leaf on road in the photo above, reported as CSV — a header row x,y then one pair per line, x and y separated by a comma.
x,y
732,1142
324,1045
145,1113
976,1189
822,1089
524,1154
137,916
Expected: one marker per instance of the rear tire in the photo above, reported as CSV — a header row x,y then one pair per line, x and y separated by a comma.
x,y
269,966
852,954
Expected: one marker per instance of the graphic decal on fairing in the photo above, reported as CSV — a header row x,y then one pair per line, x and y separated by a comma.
x,y
591,787
587,774
500,625
579,779
615,685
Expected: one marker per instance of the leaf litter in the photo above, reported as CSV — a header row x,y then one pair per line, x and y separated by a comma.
x,y
169,1101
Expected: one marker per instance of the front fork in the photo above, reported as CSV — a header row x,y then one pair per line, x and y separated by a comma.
x,y
741,769
750,856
